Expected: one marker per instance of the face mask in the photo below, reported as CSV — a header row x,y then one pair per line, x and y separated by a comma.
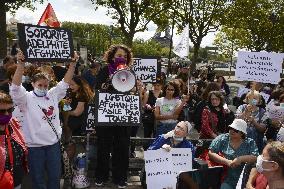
x,y
253,102
259,162
40,92
178,139
119,60
4,119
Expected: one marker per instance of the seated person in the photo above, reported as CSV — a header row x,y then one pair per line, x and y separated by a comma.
x,y
174,139
236,150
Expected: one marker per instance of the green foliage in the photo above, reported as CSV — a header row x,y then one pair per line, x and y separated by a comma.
x,y
149,48
96,37
133,16
13,5
256,25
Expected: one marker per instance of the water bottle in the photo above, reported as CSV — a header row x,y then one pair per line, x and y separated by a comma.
x,y
81,163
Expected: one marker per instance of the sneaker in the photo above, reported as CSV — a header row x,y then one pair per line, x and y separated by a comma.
x,y
99,183
80,181
122,184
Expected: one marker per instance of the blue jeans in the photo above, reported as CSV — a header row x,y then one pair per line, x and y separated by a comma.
x,y
163,128
45,159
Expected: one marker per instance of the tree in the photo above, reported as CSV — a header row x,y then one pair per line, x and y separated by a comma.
x,y
202,16
143,48
133,16
260,29
98,37
10,6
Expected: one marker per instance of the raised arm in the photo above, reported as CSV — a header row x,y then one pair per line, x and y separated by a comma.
x,y
70,72
17,78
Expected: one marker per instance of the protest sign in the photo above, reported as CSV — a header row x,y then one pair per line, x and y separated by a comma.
x,y
259,66
41,43
275,112
117,109
146,69
91,118
162,167
158,169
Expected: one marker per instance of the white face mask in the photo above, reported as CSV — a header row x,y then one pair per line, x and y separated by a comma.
x,y
40,92
259,162
178,139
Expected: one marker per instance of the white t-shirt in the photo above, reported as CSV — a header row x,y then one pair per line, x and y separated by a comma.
x,y
167,107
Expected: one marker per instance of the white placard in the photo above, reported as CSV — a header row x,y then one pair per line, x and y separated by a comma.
x,y
121,109
162,167
259,66
275,112
146,69
182,160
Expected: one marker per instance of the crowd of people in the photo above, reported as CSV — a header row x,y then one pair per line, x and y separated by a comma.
x,y
38,104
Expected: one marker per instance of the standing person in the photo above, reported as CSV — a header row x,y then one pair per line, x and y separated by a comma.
x,y
149,102
10,133
40,108
116,137
7,62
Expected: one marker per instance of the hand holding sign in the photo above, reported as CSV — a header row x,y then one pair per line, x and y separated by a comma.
x,y
20,57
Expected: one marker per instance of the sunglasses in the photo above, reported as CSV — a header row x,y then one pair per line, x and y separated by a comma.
x,y
235,130
9,111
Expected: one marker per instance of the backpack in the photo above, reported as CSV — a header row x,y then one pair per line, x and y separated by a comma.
x,y
197,115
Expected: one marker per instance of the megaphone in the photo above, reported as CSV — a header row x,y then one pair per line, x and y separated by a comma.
x,y
123,79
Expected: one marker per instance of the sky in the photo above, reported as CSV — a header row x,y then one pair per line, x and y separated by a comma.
x,y
83,11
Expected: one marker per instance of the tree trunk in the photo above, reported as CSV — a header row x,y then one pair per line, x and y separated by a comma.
x,y
129,40
3,31
195,57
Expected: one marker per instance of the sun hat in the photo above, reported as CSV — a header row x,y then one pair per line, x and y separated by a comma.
x,y
239,125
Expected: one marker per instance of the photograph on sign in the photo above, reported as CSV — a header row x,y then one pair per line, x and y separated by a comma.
x,y
117,109
146,69
41,43
262,67
91,117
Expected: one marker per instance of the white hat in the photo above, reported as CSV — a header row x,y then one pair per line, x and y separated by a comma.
x,y
188,125
239,125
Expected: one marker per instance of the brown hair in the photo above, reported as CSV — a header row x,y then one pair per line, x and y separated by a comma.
x,y
176,93
85,90
276,153
11,71
5,98
212,86
281,98
253,93
109,54
39,76
219,95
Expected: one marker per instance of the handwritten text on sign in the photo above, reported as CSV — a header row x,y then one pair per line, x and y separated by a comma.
x,y
162,167
118,108
259,66
146,69
44,43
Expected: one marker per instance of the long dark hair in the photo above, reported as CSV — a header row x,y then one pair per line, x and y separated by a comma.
x,y
176,93
85,91
219,95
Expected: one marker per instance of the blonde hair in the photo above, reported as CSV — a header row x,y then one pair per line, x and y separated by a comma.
x,y
253,93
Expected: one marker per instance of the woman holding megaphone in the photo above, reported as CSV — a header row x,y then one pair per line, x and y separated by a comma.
x,y
114,139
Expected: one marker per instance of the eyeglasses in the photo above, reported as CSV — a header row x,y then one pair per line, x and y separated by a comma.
x,y
9,111
170,89
235,130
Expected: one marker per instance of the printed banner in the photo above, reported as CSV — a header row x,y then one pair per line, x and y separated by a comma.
x,y
259,66
91,117
163,167
45,44
146,69
117,109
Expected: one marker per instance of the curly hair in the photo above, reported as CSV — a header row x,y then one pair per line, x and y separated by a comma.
x,y
219,95
275,151
212,86
109,54
5,98
176,93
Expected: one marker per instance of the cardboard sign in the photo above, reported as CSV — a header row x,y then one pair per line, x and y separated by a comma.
x,y
117,109
146,69
259,66
40,43
91,117
163,167
275,112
